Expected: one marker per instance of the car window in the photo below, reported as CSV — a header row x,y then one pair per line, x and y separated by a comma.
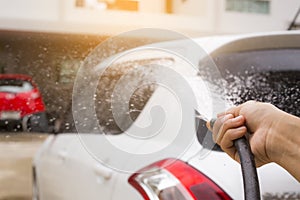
x,y
268,75
271,75
136,72
15,85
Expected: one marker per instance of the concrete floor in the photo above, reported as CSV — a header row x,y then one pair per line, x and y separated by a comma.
x,y
16,154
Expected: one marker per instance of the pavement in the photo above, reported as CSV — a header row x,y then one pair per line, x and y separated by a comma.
x,y
16,154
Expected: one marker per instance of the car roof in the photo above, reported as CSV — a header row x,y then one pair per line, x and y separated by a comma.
x,y
275,39
23,77
16,76
216,44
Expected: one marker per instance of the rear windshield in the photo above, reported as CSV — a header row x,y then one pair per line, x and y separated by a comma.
x,y
15,85
271,76
135,73
105,89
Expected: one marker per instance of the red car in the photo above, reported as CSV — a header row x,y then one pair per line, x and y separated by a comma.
x,y
21,104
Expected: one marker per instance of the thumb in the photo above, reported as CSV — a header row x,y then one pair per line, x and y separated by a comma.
x,y
210,124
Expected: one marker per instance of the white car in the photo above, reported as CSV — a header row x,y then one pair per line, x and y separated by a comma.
x,y
263,67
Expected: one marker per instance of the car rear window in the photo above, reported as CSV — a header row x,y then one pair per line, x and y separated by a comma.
x,y
271,75
104,98
15,85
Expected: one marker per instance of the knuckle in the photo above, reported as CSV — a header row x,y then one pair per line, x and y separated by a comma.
x,y
227,124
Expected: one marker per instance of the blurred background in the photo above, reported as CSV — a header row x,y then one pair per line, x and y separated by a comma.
x,y
48,39
106,17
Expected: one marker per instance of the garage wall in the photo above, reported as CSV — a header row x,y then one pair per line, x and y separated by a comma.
x,y
64,16
191,17
29,9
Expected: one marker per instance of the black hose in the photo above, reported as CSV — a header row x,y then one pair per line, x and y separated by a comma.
x,y
250,178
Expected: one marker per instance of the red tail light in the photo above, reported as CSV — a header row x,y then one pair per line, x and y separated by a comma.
x,y
172,179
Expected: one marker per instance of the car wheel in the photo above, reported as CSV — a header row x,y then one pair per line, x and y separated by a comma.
x,y
36,123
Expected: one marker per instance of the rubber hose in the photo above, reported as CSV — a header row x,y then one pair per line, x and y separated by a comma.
x,y
249,172
250,178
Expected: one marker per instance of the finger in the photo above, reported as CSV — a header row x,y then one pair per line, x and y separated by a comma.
x,y
231,135
229,111
222,114
228,123
235,110
218,124
210,124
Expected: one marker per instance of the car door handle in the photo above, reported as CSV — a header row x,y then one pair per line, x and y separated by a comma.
x,y
103,171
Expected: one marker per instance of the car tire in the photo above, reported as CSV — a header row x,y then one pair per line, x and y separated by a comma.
x,y
37,123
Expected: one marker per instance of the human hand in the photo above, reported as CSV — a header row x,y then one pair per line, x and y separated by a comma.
x,y
274,135
259,120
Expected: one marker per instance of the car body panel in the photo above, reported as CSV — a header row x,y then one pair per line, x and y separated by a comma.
x,y
64,167
76,178
227,174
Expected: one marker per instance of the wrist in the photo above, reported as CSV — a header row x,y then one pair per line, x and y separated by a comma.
x,y
284,141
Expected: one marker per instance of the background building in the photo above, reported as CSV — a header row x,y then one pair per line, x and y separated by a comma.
x,y
107,17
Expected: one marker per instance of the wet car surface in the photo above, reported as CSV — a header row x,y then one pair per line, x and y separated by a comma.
x,y
265,80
